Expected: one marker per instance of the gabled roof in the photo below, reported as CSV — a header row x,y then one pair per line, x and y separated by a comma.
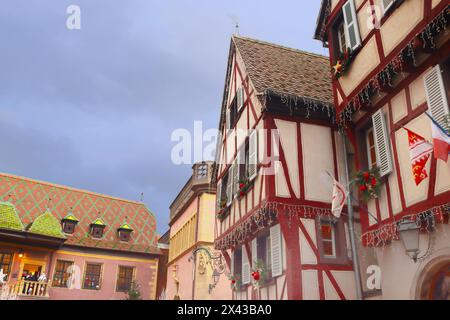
x,y
71,217
46,224
285,70
9,219
125,226
98,222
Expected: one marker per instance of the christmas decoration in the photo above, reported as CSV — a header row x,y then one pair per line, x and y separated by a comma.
x,y
342,64
368,183
134,293
338,198
235,282
259,274
2,277
244,187
387,232
419,151
425,39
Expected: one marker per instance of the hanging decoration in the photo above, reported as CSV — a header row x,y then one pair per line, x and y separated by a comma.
x,y
388,232
259,274
223,210
295,103
343,63
265,216
368,183
426,39
235,282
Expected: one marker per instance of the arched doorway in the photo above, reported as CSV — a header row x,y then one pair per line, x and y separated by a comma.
x,y
436,282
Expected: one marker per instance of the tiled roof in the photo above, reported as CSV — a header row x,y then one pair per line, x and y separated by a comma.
x,y
46,224
9,219
285,70
31,199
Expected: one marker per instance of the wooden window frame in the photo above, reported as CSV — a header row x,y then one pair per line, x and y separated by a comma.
x,y
369,147
2,264
133,272
63,272
341,255
99,276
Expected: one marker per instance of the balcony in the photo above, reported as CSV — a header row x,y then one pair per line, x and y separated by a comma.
x,y
30,290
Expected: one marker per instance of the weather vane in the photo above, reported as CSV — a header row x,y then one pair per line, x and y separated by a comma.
x,y
235,20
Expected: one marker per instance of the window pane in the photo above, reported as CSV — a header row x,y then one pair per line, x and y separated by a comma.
x,y
326,231
348,12
92,277
125,278
352,35
328,248
5,263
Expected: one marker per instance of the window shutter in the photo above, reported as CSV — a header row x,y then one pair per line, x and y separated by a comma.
x,y
219,194
253,155
352,35
240,98
275,244
236,170
436,95
255,251
387,4
228,120
245,267
230,186
382,147
232,262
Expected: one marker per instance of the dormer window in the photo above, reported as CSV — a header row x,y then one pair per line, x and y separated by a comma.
x,y
124,232
69,223
97,228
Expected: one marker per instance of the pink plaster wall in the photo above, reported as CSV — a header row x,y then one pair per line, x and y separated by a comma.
x,y
144,275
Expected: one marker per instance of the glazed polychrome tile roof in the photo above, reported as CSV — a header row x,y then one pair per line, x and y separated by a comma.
x,y
285,70
31,200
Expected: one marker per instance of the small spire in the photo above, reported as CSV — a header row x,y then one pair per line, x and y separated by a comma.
x,y
142,197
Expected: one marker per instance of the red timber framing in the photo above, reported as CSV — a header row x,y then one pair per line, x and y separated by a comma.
x,y
433,58
264,193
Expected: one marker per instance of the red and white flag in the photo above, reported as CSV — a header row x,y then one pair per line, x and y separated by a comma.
x,y
441,142
419,152
338,199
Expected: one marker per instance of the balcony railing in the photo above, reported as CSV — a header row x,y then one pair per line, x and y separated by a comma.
x,y
30,289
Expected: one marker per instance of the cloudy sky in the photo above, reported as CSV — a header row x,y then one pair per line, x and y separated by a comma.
x,y
95,108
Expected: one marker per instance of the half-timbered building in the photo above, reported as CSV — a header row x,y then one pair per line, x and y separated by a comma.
x,y
390,66
274,225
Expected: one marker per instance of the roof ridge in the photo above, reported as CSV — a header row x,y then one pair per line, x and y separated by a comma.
x,y
70,188
281,47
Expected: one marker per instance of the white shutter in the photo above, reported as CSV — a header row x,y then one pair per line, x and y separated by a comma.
x,y
387,4
236,170
232,263
252,165
218,194
436,95
228,120
352,34
255,250
275,246
245,267
382,146
230,186
240,98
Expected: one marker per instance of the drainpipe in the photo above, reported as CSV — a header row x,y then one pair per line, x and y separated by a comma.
x,y
351,228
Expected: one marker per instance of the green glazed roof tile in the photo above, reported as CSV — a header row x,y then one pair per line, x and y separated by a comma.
x,y
9,219
47,224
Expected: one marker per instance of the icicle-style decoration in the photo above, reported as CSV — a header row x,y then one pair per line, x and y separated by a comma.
x,y
395,67
386,233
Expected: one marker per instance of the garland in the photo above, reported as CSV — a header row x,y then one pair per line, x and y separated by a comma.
x,y
264,217
259,274
424,39
223,210
235,282
244,187
368,183
343,63
388,232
